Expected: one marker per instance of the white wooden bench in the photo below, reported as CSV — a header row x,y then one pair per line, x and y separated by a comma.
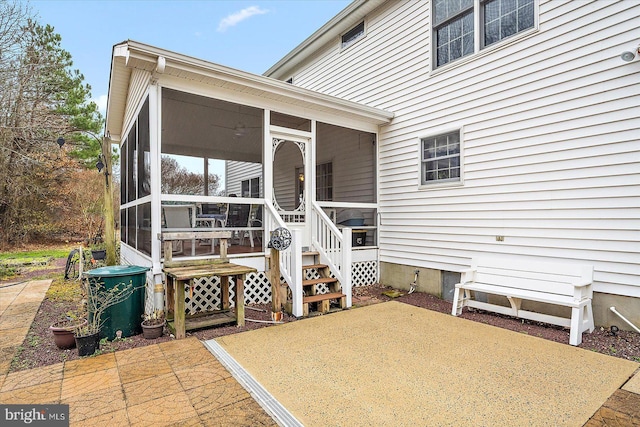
x,y
553,283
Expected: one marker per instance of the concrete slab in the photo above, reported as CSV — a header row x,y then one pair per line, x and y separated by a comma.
x,y
394,364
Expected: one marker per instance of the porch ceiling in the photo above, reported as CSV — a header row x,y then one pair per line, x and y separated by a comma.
x,y
131,55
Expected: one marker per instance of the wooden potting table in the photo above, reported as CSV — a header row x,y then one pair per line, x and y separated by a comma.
x,y
178,277
181,274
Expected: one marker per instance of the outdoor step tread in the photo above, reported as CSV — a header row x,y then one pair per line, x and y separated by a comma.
x,y
322,297
310,253
316,266
319,280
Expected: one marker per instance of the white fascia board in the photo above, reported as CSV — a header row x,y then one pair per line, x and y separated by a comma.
x,y
187,64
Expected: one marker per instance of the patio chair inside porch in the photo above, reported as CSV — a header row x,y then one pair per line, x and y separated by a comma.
x,y
237,217
178,217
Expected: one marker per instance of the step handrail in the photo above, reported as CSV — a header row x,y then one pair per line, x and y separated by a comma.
x,y
290,259
334,246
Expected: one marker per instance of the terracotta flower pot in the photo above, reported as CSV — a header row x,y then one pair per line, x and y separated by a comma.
x,y
63,332
151,332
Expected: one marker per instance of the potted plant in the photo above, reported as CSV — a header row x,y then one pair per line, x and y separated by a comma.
x,y
98,252
98,299
64,331
153,324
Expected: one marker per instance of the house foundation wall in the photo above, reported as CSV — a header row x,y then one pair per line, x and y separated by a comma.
x,y
400,276
436,282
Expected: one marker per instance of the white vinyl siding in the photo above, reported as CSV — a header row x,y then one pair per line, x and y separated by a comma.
x,y
551,138
236,172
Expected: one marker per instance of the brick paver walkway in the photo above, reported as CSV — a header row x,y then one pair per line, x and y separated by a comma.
x,y
173,383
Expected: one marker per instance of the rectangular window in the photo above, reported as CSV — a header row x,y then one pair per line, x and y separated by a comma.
x,y
504,18
251,188
353,35
454,21
441,158
324,182
453,29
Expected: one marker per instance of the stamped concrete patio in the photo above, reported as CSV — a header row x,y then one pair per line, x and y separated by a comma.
x,y
387,364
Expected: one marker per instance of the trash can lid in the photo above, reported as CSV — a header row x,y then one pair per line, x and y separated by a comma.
x,y
117,270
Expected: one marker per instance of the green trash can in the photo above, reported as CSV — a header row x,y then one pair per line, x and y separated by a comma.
x,y
125,316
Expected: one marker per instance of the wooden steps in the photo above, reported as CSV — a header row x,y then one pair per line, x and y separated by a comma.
x,y
323,301
319,303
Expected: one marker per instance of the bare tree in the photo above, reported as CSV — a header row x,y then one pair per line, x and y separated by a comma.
x,y
177,179
41,98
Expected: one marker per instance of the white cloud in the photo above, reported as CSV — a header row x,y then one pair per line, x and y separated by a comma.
x,y
101,101
237,17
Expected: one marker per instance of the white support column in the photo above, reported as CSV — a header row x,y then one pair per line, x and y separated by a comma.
x,y
155,144
346,265
310,172
267,170
296,272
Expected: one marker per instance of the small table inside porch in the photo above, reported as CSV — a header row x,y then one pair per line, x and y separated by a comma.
x,y
178,277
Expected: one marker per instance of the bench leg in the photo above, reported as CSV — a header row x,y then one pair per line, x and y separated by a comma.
x,y
458,302
515,305
577,317
589,320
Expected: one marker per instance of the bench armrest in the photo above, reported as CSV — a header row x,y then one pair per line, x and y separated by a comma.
x,y
581,284
468,275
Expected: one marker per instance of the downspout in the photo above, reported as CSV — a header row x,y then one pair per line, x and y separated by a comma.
x,y
613,309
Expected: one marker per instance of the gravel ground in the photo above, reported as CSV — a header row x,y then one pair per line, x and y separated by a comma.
x,y
38,348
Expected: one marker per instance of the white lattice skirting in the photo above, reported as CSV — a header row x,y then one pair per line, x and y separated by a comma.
x,y
257,288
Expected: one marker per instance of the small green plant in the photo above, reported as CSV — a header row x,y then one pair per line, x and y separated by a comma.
x,y
156,317
7,272
65,290
34,340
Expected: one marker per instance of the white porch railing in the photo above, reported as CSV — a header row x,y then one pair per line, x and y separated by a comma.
x,y
334,247
290,259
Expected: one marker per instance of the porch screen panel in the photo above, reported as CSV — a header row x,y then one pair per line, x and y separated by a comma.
x,y
143,229
131,226
123,190
123,225
132,177
144,152
345,164
198,131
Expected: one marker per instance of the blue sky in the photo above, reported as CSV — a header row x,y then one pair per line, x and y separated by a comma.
x,y
248,35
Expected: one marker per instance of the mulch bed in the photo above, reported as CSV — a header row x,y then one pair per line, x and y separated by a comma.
x,y
38,348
